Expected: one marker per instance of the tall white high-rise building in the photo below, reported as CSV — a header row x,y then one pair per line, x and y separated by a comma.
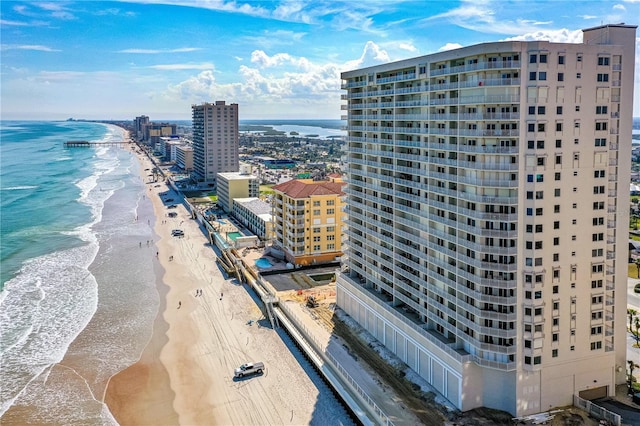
x,y
215,140
488,216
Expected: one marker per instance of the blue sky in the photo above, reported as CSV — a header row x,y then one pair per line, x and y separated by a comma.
x,y
276,59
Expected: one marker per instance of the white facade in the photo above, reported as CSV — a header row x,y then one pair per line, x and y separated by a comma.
x,y
255,215
215,140
487,241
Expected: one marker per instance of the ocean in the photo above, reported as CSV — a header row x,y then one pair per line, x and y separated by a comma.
x,y
78,282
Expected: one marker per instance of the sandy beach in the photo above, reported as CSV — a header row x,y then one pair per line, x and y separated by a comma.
x,y
185,374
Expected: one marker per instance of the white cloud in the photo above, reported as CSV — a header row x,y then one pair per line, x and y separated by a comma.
x,y
37,47
371,55
481,16
280,84
156,51
587,16
407,46
173,67
449,46
557,36
13,23
619,7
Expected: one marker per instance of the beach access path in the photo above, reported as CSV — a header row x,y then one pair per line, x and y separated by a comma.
x,y
208,325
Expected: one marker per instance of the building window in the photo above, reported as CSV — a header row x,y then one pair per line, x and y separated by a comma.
x,y
542,75
601,109
532,76
543,58
316,203
603,78
603,61
331,246
601,142
316,212
558,127
559,110
560,59
601,125
533,59
560,76
316,239
331,211
596,345
316,247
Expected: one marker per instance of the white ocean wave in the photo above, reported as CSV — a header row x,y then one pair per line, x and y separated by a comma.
x,y
18,188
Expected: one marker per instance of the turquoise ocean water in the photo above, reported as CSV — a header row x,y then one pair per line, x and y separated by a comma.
x,y
77,292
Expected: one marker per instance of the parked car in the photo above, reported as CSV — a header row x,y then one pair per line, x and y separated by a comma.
x,y
172,206
177,233
173,214
248,369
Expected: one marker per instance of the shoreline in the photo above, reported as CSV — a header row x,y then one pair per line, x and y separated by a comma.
x,y
143,390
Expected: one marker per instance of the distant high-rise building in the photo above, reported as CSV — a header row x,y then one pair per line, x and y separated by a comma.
x,y
139,124
215,140
488,216
152,132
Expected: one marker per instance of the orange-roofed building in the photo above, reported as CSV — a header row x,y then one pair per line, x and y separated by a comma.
x,y
308,218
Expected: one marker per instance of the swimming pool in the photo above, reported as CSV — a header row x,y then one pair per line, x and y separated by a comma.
x,y
234,235
263,263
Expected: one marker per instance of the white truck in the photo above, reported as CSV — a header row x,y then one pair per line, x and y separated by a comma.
x,y
248,369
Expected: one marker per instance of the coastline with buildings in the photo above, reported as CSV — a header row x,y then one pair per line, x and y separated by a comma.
x,y
432,248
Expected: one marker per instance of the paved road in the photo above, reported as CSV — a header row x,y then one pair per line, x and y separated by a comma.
x,y
630,415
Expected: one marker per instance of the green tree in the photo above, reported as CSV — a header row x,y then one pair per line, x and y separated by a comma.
x,y
636,334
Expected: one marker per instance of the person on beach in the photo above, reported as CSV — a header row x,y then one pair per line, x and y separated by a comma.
x,y
179,304
221,294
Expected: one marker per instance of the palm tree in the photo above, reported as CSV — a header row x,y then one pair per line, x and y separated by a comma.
x,y
632,313
632,366
637,332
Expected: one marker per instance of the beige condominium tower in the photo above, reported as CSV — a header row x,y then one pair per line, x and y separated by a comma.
x,y
488,216
215,141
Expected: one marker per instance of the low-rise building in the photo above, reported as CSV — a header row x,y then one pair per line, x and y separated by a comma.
x,y
255,215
